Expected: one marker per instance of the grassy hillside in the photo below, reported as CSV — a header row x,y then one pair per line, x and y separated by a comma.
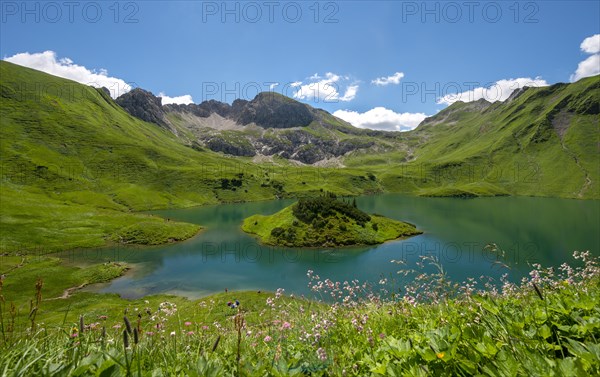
x,y
75,166
325,221
544,142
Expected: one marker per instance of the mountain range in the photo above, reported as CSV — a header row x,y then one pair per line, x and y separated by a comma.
x,y
270,125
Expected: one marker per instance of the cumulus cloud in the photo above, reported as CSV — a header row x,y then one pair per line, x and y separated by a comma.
x,y
47,62
380,118
393,79
325,89
498,91
350,93
591,65
591,45
180,100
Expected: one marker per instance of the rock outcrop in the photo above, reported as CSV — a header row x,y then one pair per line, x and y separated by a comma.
x,y
144,105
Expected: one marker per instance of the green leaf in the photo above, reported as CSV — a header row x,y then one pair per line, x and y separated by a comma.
x,y
108,369
545,332
427,354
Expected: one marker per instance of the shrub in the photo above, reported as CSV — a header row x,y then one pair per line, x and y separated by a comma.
x,y
308,209
277,232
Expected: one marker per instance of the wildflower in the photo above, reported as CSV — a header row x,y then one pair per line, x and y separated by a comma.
x,y
172,333
127,324
381,336
190,333
267,339
117,326
321,354
204,327
440,355
103,317
149,333
286,325
188,323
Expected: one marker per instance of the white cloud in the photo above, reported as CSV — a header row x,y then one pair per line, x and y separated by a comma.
x,y
350,93
498,91
47,62
393,79
591,65
273,85
325,89
180,100
591,45
380,118
588,67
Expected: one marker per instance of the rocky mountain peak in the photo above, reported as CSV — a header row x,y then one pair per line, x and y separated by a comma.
x,y
272,110
144,105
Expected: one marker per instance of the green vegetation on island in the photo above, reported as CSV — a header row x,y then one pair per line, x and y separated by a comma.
x,y
325,221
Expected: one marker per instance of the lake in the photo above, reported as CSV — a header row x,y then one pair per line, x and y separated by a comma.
x,y
530,230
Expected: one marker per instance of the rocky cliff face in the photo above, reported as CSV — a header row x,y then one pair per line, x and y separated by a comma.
x,y
272,110
146,106
267,110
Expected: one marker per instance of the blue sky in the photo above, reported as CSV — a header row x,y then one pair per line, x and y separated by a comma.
x,y
329,54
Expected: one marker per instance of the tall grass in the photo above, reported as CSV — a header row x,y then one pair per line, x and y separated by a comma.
x,y
548,324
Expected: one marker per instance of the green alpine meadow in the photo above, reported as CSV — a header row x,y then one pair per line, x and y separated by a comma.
x,y
299,189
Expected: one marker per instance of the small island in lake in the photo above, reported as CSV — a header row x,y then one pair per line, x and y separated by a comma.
x,y
325,221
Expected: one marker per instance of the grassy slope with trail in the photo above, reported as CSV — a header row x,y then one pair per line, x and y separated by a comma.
x,y
543,142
